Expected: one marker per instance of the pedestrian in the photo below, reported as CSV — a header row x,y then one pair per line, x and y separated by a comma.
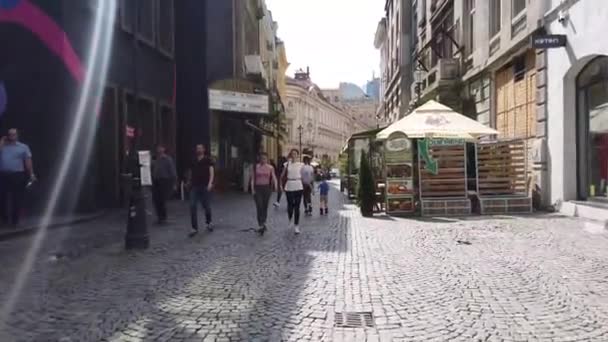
x,y
308,181
292,173
200,180
16,172
263,182
323,197
164,176
279,171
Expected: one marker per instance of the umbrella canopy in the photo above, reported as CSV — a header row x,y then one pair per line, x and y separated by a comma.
x,y
434,120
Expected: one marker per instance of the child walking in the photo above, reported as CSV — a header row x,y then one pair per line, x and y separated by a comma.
x,y
323,197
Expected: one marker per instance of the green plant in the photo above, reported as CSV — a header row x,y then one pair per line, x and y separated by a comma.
x,y
366,192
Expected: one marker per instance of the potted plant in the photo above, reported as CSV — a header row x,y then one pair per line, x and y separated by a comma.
x,y
366,193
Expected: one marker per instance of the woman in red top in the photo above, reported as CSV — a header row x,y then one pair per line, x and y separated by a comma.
x,y
262,183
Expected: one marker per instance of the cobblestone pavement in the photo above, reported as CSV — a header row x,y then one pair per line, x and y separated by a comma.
x,y
539,278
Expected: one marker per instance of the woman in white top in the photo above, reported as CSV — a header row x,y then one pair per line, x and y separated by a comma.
x,y
291,180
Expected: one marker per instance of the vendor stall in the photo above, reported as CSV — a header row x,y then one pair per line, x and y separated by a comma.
x,y
441,135
366,142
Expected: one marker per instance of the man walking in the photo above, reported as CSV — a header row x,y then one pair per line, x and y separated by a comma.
x,y
163,182
308,174
16,170
200,178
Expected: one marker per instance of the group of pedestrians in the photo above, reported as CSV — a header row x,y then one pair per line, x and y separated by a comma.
x,y
296,180
291,177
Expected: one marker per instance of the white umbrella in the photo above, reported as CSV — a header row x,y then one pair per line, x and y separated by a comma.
x,y
434,120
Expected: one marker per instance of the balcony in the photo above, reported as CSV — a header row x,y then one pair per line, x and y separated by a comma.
x,y
445,74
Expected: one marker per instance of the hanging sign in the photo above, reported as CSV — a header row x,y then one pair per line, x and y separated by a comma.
x,y
145,162
430,164
549,41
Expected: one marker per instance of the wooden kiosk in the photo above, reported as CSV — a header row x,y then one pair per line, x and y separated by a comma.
x,y
441,135
502,185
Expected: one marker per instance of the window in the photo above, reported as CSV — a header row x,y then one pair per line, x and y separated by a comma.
x,y
471,34
127,12
145,21
166,25
495,17
517,6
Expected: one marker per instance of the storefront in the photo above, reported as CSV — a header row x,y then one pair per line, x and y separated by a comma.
x,y
236,107
577,104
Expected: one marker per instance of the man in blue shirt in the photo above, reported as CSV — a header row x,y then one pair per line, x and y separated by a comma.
x,y
16,170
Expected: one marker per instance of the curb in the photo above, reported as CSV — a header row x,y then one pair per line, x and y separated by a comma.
x,y
12,234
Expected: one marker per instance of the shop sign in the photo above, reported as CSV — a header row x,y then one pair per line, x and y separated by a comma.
x,y
145,171
233,101
398,148
446,142
423,151
549,41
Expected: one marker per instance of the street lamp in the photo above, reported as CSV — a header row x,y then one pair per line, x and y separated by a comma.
x,y
418,78
300,131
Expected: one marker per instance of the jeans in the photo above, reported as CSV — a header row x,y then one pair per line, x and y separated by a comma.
x,y
279,194
202,195
294,198
161,190
308,198
12,185
262,197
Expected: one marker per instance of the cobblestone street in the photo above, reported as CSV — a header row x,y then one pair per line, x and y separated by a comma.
x,y
538,278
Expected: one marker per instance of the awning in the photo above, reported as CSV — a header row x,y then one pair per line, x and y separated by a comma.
x,y
434,120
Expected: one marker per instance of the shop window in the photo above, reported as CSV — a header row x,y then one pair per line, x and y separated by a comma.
x,y
166,26
127,14
592,140
519,68
146,20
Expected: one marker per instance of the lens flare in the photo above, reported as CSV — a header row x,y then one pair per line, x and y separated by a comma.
x,y
85,121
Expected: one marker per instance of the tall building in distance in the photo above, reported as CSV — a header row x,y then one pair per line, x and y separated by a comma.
x,y
372,88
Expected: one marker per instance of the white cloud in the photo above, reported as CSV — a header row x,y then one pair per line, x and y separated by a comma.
x,y
334,37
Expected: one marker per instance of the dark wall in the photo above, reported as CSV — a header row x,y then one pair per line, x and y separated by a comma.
x,y
193,125
220,42
43,95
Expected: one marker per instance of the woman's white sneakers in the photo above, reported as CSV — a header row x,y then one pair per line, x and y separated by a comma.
x,y
297,230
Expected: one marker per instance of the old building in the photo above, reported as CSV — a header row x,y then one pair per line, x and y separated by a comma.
x,y
576,99
314,124
354,101
394,39
45,78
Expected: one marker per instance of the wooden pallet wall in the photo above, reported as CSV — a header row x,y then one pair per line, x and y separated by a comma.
x,y
450,181
501,168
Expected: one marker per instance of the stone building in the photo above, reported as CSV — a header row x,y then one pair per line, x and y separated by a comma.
x,y
321,127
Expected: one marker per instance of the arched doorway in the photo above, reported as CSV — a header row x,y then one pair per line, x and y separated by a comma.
x,y
592,129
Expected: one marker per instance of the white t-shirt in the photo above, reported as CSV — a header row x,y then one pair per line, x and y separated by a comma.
x,y
294,176
308,173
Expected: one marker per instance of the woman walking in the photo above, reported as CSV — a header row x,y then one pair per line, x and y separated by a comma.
x,y
293,188
263,182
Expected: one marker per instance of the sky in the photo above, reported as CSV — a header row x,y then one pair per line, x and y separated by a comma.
x,y
335,38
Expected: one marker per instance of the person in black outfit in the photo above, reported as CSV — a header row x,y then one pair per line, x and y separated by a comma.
x,y
279,171
200,179
163,182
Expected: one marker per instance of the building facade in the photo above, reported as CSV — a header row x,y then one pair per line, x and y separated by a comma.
x,y
46,79
315,125
576,99
394,39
